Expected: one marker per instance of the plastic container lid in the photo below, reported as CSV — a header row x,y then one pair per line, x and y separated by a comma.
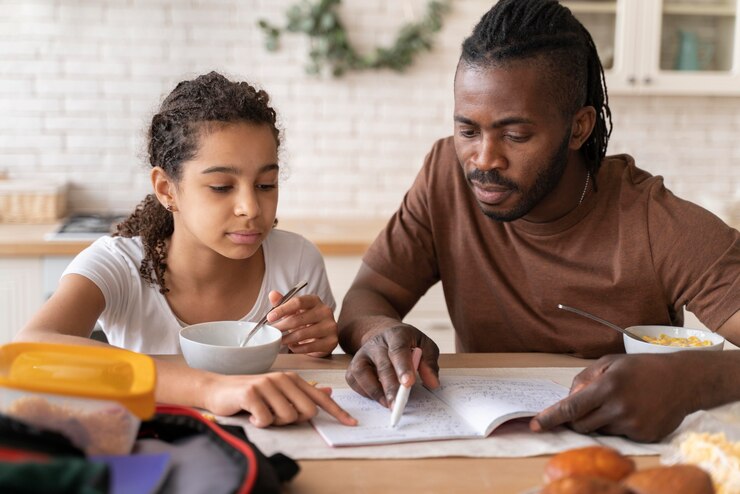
x,y
86,371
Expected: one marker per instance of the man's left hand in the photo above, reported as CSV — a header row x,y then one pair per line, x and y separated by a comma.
x,y
643,397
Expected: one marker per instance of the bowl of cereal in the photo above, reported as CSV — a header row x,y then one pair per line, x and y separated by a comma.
x,y
669,339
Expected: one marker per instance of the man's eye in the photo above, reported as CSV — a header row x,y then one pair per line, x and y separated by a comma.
x,y
220,188
517,137
467,133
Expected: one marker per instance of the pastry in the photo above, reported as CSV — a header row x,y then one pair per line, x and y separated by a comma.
x,y
584,485
676,479
592,461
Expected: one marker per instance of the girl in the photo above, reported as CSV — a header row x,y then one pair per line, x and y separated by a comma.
x,y
203,248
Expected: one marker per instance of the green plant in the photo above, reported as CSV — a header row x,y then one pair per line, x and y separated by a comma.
x,y
330,45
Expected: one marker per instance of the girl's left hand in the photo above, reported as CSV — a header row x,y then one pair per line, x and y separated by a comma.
x,y
307,324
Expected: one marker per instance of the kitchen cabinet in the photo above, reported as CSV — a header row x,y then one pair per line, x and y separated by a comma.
x,y
665,47
25,283
30,268
20,294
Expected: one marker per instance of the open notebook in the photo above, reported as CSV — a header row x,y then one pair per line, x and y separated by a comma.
x,y
462,407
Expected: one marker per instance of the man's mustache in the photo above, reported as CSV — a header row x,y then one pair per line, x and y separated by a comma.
x,y
490,177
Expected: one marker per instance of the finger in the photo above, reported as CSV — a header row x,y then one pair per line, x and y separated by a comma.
x,y
295,392
350,378
591,373
429,365
255,405
273,391
401,358
302,303
319,331
570,409
364,379
274,297
324,346
323,400
318,314
388,373
592,422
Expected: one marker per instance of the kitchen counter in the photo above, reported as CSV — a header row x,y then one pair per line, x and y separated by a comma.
x,y
333,237
340,237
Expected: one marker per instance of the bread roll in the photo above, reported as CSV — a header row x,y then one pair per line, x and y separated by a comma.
x,y
677,479
584,485
592,461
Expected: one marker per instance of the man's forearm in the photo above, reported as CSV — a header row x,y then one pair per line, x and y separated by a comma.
x,y
718,381
364,314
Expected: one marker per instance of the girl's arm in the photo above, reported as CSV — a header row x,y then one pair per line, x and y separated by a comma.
x,y
279,398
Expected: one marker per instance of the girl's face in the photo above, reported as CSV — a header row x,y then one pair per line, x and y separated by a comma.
x,y
228,193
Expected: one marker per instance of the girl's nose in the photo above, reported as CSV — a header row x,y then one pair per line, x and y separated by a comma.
x,y
247,205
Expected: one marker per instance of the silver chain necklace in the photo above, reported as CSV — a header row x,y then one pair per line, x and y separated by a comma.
x,y
585,188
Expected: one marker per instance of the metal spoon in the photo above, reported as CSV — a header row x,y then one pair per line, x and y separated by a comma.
x,y
263,321
598,319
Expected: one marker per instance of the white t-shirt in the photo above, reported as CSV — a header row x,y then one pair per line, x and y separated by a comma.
x,y
138,317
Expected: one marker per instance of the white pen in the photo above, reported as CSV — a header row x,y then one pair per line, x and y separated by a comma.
x,y
403,392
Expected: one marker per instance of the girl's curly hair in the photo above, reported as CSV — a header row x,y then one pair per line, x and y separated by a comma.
x,y
183,117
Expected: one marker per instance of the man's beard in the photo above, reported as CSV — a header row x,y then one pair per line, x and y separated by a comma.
x,y
547,179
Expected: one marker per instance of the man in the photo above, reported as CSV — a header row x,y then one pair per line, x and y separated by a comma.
x,y
519,211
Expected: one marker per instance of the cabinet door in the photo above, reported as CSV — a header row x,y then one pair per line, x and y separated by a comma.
x,y
614,28
20,294
689,47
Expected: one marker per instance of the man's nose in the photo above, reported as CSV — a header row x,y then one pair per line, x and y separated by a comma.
x,y
489,155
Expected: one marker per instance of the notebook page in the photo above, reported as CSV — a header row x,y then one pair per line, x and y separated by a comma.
x,y
425,418
485,403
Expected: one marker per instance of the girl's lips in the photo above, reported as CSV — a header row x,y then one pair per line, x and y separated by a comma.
x,y
244,237
491,196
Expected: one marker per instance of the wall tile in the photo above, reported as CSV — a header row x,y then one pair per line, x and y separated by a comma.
x,y
80,80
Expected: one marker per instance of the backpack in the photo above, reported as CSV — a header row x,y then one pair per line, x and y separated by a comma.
x,y
201,456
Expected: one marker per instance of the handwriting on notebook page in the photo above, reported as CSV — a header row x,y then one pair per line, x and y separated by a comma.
x,y
463,407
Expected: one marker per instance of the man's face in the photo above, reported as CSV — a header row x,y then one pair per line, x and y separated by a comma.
x,y
511,138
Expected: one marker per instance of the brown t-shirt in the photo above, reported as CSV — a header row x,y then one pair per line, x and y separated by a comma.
x,y
632,253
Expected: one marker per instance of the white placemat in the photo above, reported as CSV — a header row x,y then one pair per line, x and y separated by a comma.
x,y
512,439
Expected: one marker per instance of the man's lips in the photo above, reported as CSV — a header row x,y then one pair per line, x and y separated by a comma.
x,y
244,237
491,194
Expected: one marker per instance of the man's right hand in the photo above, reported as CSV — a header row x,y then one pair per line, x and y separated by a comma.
x,y
384,361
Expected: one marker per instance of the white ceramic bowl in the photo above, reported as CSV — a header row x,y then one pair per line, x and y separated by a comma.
x,y
634,346
214,346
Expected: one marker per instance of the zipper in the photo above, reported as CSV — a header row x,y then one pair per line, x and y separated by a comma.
x,y
250,477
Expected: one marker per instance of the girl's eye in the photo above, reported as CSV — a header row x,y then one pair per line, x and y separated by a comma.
x,y
220,188
266,186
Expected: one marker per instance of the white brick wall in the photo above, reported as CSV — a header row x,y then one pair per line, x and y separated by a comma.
x,y
79,81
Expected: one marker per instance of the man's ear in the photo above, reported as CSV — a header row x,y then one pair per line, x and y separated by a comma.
x,y
164,188
582,126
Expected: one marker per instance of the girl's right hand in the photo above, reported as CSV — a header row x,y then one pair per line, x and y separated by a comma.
x,y
277,398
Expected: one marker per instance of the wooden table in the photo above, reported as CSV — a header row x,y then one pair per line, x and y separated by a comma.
x,y
432,475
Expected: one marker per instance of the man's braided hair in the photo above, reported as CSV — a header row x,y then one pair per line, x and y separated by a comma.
x,y
548,34
191,110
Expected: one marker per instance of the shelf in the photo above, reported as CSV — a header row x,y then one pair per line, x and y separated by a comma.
x,y
699,10
592,7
